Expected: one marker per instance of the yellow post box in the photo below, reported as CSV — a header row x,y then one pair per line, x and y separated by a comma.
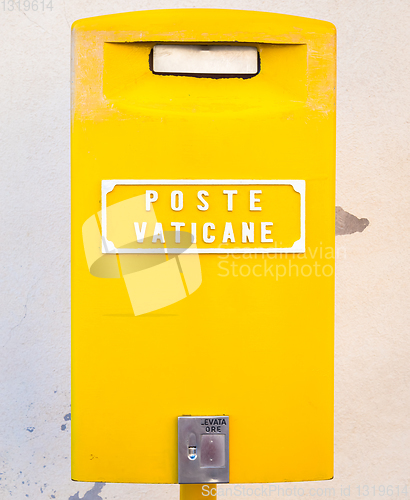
x,y
203,180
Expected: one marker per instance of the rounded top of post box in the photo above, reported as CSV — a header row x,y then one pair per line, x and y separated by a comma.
x,y
197,25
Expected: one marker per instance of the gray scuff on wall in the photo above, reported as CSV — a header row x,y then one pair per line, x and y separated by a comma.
x,y
348,224
92,494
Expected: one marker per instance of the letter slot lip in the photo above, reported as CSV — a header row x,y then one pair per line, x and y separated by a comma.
x,y
210,436
206,61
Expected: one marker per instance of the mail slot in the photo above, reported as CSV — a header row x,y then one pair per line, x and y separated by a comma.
x,y
203,195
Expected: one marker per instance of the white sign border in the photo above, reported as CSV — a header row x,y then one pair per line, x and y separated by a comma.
x,y
107,186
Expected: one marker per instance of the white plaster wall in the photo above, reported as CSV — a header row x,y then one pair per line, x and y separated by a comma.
x,y
372,437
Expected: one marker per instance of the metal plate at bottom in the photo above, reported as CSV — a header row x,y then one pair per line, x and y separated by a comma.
x,y
203,449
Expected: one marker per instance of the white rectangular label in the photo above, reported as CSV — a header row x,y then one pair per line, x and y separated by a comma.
x,y
254,211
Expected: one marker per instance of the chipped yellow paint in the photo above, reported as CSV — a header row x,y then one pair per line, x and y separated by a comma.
x,y
261,345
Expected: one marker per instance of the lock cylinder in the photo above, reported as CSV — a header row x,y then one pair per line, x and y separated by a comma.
x,y
192,454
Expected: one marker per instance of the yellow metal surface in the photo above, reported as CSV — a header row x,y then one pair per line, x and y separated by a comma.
x,y
195,492
249,336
